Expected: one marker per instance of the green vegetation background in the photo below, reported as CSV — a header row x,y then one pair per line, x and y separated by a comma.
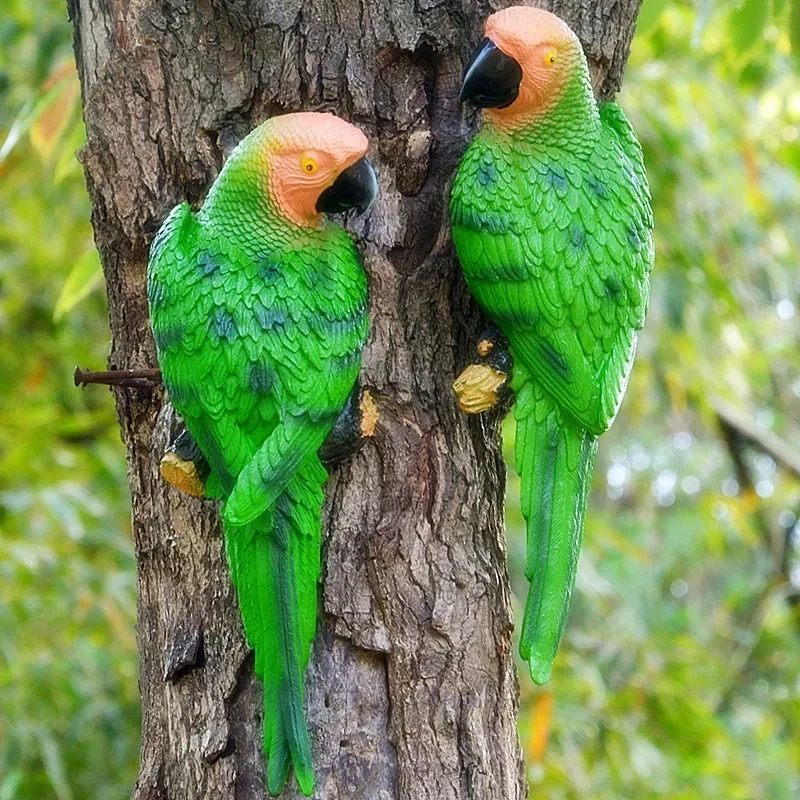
x,y
680,673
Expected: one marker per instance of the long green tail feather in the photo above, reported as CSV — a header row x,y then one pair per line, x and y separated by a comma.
x,y
554,459
275,563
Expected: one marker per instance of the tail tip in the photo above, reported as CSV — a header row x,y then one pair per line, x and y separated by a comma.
x,y
305,780
280,766
277,775
541,670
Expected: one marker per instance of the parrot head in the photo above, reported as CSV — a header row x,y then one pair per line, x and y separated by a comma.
x,y
315,163
521,68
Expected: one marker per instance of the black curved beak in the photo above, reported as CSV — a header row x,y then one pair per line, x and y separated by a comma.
x,y
492,78
356,187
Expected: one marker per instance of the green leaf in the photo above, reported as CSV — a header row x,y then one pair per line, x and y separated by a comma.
x,y
703,9
794,26
54,766
10,784
18,128
84,277
51,116
47,115
649,14
746,24
67,162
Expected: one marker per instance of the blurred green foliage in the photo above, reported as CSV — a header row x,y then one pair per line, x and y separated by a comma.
x,y
680,672
69,712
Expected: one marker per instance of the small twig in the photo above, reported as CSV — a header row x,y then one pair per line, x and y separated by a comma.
x,y
739,430
130,378
736,441
781,452
741,657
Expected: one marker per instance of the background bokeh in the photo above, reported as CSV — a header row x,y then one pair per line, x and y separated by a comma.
x,y
680,672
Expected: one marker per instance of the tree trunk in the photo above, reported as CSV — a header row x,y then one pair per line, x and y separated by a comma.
x,y
412,689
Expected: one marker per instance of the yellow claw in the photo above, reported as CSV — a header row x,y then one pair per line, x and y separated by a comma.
x,y
369,413
182,474
485,346
477,387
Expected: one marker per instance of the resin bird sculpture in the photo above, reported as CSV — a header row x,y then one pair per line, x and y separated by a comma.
x,y
552,225
259,309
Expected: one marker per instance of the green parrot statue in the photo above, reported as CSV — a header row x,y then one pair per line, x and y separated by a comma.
x,y
259,311
552,224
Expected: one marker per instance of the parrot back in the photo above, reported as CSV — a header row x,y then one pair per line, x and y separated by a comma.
x,y
247,342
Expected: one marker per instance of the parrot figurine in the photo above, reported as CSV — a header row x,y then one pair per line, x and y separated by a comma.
x,y
552,224
259,311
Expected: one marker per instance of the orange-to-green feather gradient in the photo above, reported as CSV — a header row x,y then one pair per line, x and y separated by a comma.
x,y
259,310
552,224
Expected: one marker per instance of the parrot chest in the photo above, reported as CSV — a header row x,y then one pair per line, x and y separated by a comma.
x,y
260,336
556,245
544,236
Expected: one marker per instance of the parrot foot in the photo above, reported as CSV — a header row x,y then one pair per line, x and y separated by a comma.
x,y
482,384
184,466
369,413
182,474
477,388
357,421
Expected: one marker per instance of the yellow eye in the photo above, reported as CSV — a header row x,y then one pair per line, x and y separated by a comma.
x,y
550,58
308,165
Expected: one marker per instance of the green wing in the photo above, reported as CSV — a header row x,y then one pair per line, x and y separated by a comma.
x,y
616,123
558,253
255,357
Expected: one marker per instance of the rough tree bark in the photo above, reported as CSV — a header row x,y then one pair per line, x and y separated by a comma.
x,y
412,691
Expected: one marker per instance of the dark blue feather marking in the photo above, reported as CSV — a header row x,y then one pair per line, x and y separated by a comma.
x,y
269,318
556,178
634,239
156,292
166,338
262,379
207,262
613,286
597,187
487,174
268,270
224,324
